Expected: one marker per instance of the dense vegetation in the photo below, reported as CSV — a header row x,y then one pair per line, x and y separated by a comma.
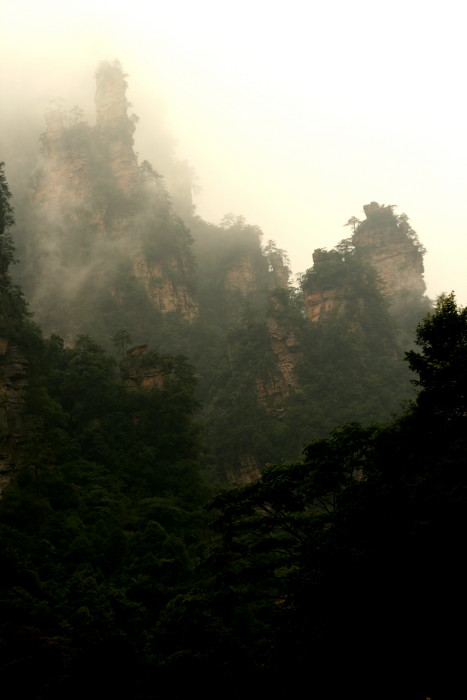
x,y
340,573
103,526
124,571
350,560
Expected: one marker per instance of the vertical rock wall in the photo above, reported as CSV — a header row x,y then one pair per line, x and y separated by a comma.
x,y
385,241
62,183
114,128
89,186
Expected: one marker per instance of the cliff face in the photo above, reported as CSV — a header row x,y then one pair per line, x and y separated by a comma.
x,y
140,370
242,277
62,183
92,202
165,294
389,245
247,470
277,385
320,304
385,245
114,128
13,385
263,271
328,291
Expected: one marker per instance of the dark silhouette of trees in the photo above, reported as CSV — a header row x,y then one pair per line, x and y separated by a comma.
x,y
355,553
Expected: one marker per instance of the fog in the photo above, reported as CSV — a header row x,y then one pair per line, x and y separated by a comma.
x,y
293,115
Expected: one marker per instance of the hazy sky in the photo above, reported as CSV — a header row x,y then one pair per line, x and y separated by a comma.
x,y
293,114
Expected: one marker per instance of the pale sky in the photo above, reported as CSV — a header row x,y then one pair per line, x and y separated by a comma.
x,y
293,114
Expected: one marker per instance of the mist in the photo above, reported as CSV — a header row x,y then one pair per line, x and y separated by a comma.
x,y
292,117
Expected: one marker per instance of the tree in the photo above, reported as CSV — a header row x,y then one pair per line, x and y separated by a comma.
x,y
354,554
12,303
354,222
7,220
120,340
442,362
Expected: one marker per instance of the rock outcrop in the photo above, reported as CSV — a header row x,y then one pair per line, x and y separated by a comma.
x,y
62,183
144,370
92,200
114,128
277,385
279,272
384,245
320,304
266,269
247,470
389,244
165,294
242,277
326,291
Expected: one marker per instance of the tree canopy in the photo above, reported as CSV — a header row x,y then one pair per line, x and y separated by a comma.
x,y
354,553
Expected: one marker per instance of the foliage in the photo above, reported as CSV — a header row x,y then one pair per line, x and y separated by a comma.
x,y
120,340
380,216
275,255
110,575
104,524
441,365
13,309
353,553
6,211
340,267
7,220
148,171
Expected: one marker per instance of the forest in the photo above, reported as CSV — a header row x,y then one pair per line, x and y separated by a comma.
x,y
214,480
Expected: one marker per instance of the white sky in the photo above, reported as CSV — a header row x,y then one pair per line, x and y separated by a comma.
x,y
293,114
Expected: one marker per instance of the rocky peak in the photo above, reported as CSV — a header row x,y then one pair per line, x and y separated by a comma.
x,y
251,272
278,265
111,102
327,288
384,243
114,127
391,246
91,197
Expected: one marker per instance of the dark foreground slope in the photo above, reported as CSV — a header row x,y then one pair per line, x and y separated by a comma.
x,y
344,574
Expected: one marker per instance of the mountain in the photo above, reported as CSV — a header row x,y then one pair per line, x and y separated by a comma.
x,y
108,251
177,353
